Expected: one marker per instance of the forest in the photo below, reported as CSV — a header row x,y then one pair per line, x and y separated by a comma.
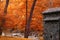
x,y
15,18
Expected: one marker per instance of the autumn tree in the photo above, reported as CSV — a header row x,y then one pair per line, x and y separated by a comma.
x,y
3,19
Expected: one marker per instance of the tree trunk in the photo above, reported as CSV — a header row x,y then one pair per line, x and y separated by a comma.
x,y
27,29
0,31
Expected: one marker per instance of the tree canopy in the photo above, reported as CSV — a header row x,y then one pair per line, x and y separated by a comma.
x,y
16,13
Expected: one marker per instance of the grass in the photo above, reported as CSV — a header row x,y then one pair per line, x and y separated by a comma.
x,y
12,38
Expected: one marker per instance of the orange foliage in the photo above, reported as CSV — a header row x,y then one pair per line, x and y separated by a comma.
x,y
16,16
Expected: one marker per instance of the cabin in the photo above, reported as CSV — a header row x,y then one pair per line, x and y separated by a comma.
x,y
51,23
